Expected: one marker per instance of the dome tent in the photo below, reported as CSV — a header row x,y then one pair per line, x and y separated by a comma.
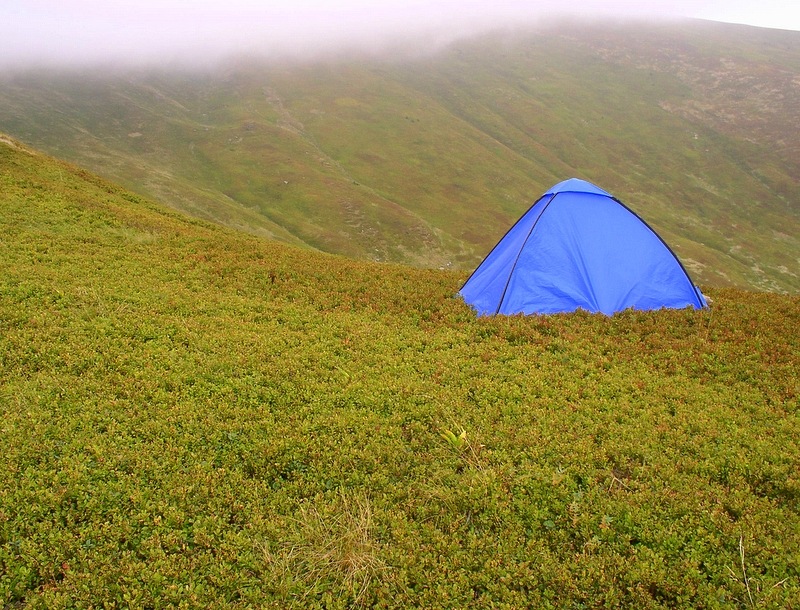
x,y
578,247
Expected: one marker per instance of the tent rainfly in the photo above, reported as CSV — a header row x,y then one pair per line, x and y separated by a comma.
x,y
578,247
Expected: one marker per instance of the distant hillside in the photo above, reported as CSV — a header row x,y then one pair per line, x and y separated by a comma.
x,y
428,159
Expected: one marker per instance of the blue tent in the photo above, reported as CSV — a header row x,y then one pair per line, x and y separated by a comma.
x,y
579,247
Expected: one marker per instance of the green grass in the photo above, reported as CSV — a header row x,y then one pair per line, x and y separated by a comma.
x,y
428,159
194,417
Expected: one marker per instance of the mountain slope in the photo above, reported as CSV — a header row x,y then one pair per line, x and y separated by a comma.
x,y
428,159
192,416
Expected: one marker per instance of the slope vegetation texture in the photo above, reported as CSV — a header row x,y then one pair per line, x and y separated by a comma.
x,y
196,417
428,158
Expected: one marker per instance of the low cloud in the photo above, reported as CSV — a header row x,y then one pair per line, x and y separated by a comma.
x,y
86,32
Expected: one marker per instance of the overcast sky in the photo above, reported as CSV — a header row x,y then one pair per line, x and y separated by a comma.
x,y
152,31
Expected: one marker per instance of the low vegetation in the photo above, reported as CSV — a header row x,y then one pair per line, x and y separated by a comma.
x,y
193,417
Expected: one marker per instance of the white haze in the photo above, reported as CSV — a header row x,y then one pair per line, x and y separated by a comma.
x,y
97,32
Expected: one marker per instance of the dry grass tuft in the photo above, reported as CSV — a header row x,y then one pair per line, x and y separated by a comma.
x,y
333,546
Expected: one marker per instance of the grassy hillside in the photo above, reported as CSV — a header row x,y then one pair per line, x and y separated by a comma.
x,y
427,159
193,416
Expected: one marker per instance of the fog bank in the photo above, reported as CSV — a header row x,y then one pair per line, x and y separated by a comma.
x,y
91,32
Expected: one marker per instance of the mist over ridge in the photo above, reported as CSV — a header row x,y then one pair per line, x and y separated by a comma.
x,y
175,32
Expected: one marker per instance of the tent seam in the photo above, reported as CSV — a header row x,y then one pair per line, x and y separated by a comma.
x,y
522,247
698,295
